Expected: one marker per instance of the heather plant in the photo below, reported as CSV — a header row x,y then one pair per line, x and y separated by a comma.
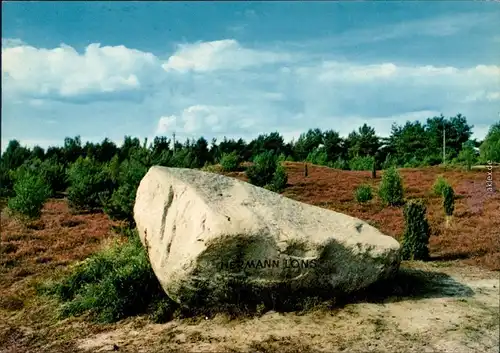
x,y
31,192
414,245
391,187
363,193
112,284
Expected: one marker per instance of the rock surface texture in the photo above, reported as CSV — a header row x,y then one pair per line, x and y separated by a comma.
x,y
207,235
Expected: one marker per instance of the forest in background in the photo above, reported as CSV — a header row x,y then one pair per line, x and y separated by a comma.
x,y
106,176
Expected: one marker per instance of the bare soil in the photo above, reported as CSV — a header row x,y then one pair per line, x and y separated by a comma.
x,y
457,312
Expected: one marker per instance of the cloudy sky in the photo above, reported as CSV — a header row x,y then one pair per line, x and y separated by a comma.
x,y
232,69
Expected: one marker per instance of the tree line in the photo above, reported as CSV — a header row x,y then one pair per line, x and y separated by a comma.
x,y
104,175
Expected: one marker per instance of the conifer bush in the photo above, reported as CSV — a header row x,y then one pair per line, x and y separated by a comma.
x,y
121,203
391,187
361,163
363,193
54,173
448,200
230,161
31,192
280,179
414,245
89,184
262,171
439,185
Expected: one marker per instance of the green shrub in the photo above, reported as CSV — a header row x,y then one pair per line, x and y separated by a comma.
x,y
448,200
433,159
390,161
89,182
31,192
361,163
6,182
439,185
340,164
280,179
363,193
55,174
413,163
467,156
414,245
262,171
391,187
318,157
111,285
230,161
212,168
121,203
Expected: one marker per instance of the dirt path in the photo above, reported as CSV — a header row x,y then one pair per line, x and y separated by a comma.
x,y
452,309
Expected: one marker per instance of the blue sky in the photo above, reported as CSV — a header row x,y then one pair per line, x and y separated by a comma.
x,y
238,69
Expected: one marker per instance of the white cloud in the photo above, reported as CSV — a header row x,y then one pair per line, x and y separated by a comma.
x,y
64,72
214,96
483,96
203,119
226,54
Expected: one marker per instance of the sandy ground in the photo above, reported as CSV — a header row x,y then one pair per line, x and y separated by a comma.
x,y
457,312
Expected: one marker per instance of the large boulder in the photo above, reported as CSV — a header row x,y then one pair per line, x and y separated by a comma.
x,y
208,236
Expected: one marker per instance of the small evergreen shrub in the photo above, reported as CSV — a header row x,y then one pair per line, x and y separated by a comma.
x,y
413,163
121,203
361,163
433,159
363,193
318,157
390,161
6,182
439,185
340,164
261,173
111,285
54,173
280,179
230,161
391,187
414,245
448,200
90,183
31,192
212,168
467,156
